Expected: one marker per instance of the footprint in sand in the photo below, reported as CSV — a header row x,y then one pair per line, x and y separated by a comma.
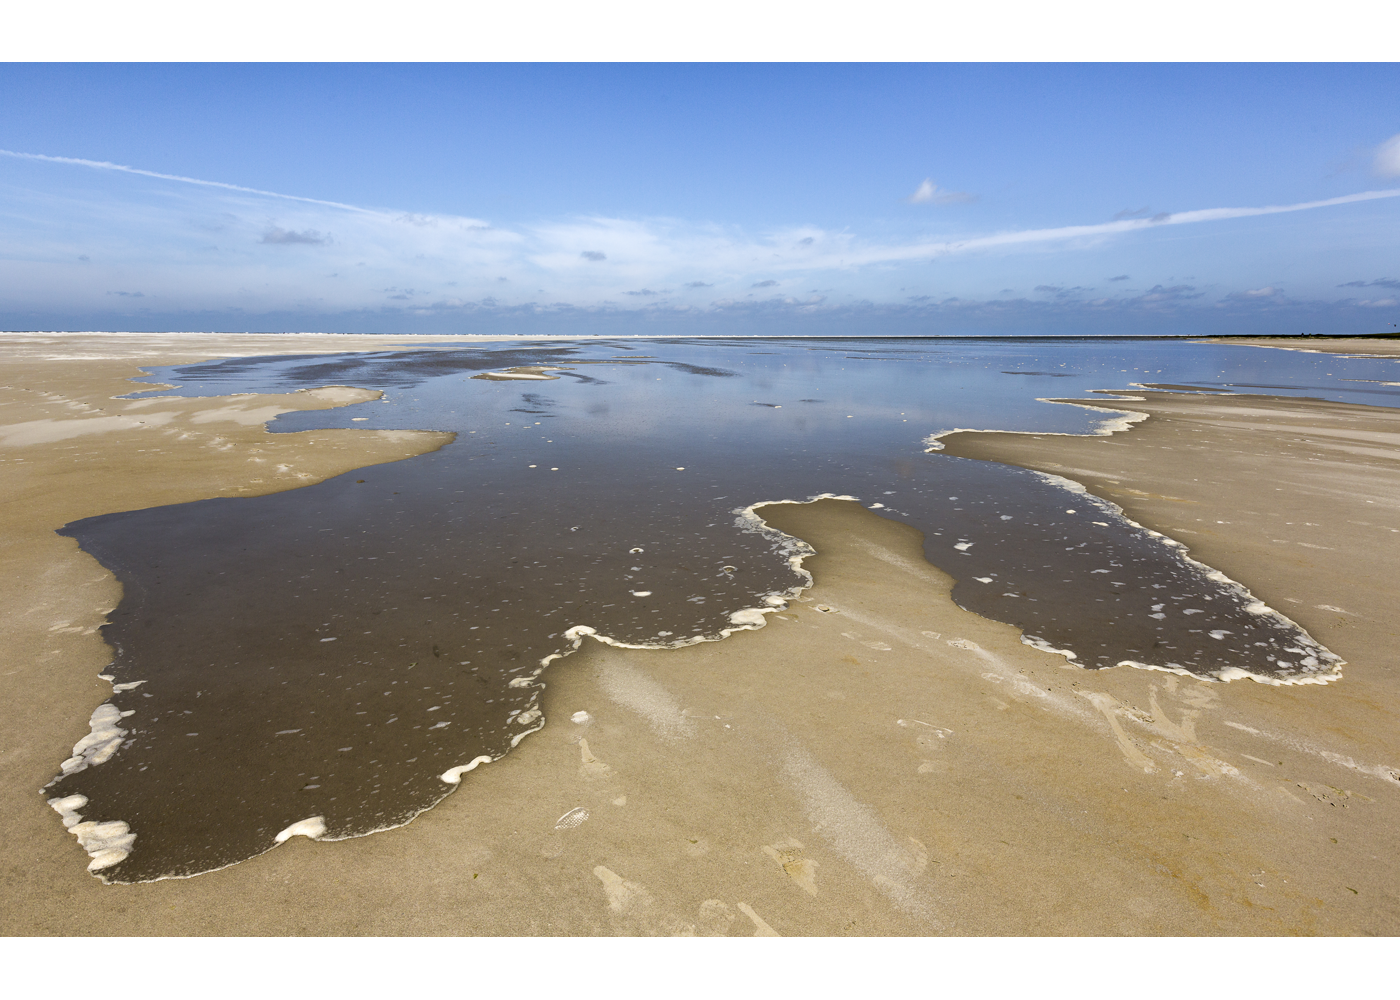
x,y
638,912
1183,734
591,767
788,855
1198,695
623,896
571,819
1108,706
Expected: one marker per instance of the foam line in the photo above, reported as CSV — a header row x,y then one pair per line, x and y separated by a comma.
x,y
1312,654
1114,422
313,827
1386,772
453,776
104,739
107,842
794,549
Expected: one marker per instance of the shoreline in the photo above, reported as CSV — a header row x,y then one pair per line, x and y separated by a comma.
x,y
889,765
1378,345
77,451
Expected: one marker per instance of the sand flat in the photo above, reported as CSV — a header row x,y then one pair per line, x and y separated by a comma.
x,y
875,761
1381,347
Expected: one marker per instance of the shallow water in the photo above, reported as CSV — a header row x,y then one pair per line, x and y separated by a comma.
x,y
338,656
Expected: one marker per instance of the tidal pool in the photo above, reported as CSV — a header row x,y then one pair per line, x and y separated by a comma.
x,y
333,660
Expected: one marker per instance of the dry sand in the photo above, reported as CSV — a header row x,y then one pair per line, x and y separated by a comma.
x,y
1388,347
874,761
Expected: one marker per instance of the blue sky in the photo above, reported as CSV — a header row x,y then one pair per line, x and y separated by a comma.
x,y
988,198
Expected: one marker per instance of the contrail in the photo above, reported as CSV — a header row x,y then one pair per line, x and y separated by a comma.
x,y
104,165
848,255
922,250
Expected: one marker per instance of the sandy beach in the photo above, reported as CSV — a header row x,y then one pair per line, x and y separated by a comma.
x,y
1380,347
874,761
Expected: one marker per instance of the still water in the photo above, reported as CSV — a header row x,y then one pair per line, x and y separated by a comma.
x,y
335,659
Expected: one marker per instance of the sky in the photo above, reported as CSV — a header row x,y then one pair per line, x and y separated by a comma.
x,y
701,198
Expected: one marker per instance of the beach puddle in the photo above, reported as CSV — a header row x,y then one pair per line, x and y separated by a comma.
x,y
332,660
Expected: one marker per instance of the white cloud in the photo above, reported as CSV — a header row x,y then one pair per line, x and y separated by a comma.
x,y
194,244
1387,163
931,192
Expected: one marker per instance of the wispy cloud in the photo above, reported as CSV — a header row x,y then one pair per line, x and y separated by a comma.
x,y
287,236
930,193
1387,161
194,244
1158,294
1378,283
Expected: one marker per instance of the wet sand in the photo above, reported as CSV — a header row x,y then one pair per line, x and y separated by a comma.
x,y
874,761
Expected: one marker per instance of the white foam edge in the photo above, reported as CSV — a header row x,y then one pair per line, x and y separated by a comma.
x,y
109,842
744,619
313,828
1122,420
1115,421
104,736
325,837
104,739
1252,604
106,841
1036,642
530,715
453,775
